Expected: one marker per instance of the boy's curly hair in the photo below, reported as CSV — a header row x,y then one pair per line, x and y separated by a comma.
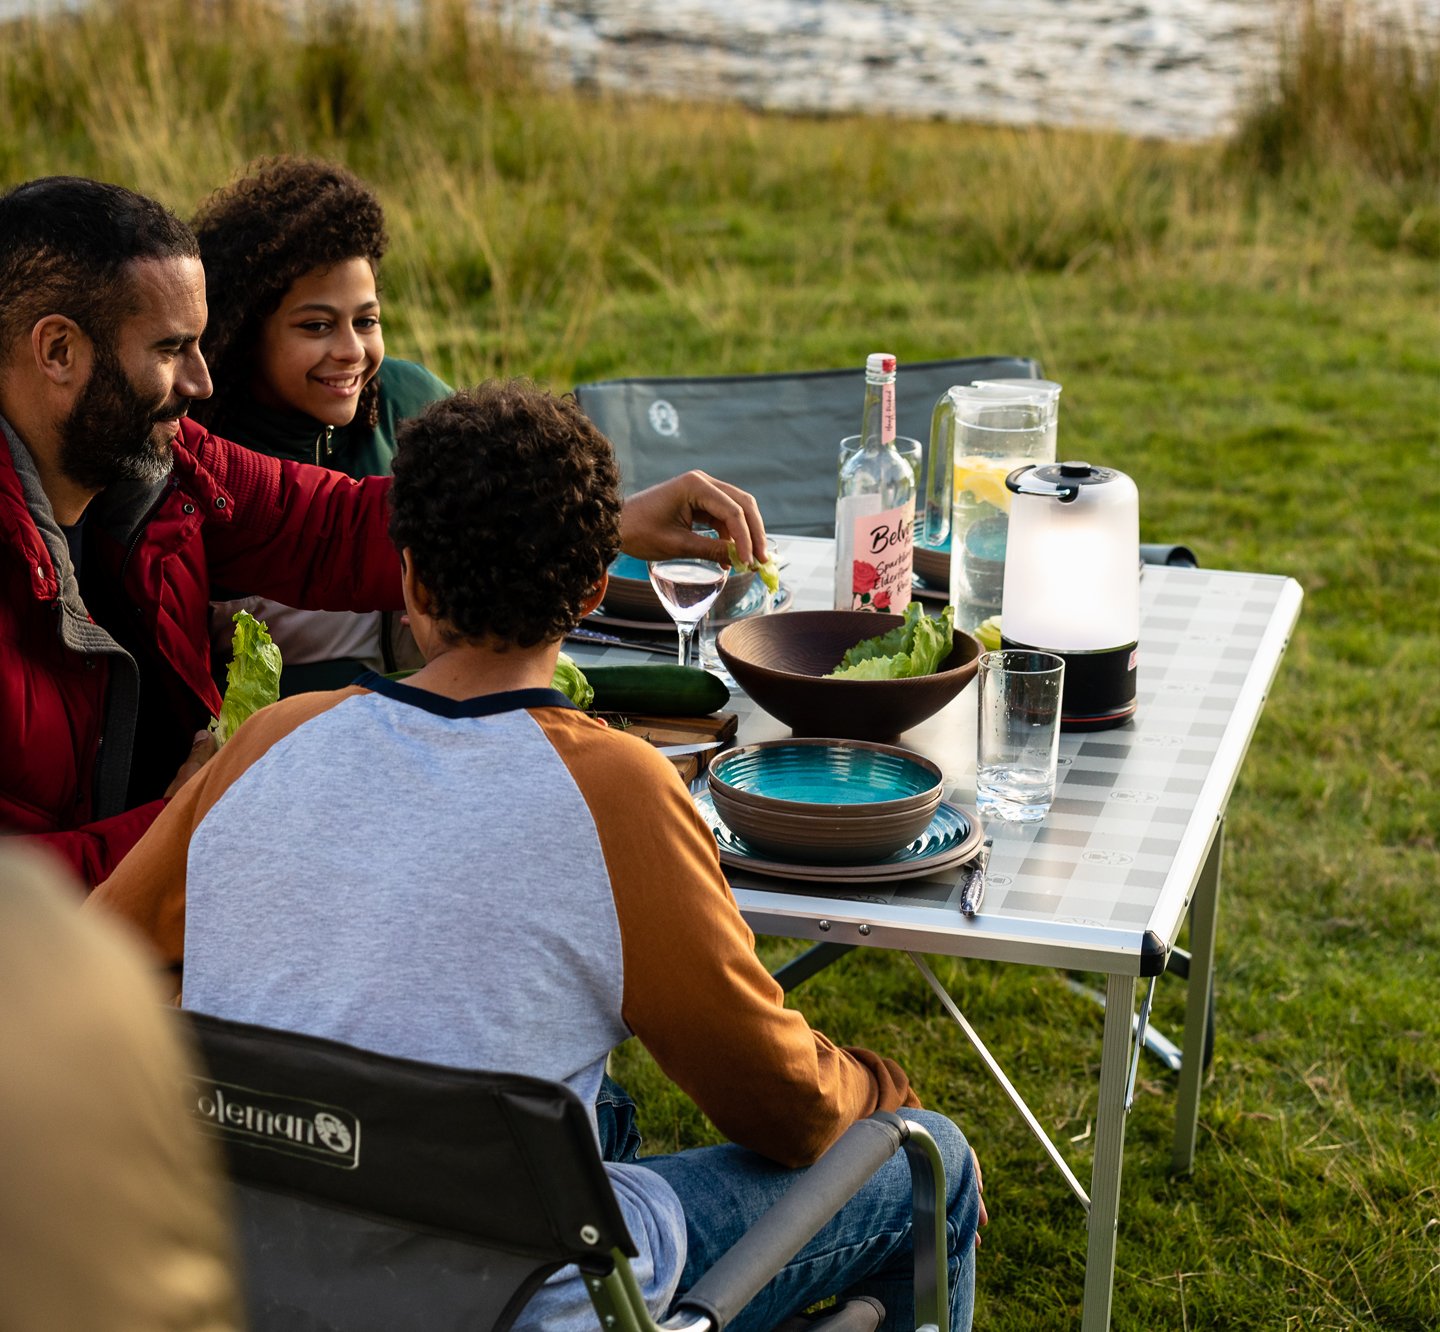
x,y
508,498
284,218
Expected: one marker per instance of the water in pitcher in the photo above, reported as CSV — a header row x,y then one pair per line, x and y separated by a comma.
x,y
979,435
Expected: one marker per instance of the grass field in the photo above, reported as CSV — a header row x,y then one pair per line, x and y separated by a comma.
x,y
1250,329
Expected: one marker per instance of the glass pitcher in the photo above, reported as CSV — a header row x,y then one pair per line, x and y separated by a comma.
x,y
979,434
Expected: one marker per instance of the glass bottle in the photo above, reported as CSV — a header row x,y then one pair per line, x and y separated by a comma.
x,y
875,505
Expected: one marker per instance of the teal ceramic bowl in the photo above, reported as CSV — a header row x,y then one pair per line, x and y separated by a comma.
x,y
826,801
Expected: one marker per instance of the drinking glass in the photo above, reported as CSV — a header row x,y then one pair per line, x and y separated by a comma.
x,y
687,589
908,448
1020,694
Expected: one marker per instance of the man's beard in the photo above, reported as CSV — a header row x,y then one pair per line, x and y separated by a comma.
x,y
109,434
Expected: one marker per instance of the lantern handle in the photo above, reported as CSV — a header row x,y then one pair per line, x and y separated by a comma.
x,y
1020,483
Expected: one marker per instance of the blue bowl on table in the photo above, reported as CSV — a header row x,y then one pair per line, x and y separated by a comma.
x,y
825,801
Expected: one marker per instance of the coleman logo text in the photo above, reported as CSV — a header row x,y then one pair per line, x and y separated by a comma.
x,y
327,1134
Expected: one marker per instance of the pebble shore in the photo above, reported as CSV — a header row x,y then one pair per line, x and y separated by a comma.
x,y
1173,69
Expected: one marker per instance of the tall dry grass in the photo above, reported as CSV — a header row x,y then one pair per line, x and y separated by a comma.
x,y
525,215
1351,121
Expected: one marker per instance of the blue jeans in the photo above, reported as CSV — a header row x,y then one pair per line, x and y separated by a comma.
x,y
864,1250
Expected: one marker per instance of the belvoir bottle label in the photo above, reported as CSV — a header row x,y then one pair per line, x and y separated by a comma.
x,y
880,555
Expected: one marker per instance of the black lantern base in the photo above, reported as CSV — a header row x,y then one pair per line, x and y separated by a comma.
x,y
1099,686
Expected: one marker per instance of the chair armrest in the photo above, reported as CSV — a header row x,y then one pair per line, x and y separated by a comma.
x,y
1180,556
749,1265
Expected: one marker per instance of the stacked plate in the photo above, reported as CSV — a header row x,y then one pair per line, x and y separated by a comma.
x,y
932,564
826,802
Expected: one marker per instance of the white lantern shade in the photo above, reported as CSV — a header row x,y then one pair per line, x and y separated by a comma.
x,y
1072,568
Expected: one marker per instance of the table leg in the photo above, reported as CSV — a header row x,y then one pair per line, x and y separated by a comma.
x,y
1109,1153
814,959
1204,912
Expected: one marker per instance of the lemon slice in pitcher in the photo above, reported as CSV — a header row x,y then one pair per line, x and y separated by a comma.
x,y
984,478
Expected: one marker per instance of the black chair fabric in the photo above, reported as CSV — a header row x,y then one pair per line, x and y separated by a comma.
x,y
775,435
374,1192
306,1266
367,1178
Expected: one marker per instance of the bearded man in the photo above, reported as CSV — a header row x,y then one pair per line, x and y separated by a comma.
x,y
118,516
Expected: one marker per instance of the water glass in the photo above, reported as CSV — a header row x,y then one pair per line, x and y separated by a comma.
x,y
1020,695
910,449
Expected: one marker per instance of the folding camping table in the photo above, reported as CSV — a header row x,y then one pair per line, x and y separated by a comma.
x,y
1103,884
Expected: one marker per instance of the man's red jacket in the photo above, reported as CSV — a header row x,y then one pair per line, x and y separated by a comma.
x,y
225,516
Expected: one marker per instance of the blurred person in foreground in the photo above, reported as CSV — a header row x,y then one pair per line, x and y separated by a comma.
x,y
118,514
111,1209
526,888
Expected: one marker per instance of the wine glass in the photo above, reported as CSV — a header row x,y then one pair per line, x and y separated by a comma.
x,y
687,589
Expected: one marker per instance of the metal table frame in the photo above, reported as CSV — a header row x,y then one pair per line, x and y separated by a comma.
x,y
1133,843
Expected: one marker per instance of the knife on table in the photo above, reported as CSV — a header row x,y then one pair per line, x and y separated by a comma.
x,y
684,751
972,892
598,639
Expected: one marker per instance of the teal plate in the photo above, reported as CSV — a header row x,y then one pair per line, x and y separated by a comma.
x,y
931,565
826,772
954,835
627,566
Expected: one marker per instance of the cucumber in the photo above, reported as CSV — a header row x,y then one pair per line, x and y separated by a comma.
x,y
660,691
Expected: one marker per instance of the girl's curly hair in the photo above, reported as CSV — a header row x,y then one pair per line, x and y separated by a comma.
x,y
283,218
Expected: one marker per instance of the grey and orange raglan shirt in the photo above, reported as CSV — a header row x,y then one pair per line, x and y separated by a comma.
x,y
499,883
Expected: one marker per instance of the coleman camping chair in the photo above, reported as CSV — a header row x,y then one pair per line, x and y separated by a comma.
x,y
374,1192
775,435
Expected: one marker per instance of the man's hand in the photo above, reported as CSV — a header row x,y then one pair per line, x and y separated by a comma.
x,y
202,750
980,1189
657,522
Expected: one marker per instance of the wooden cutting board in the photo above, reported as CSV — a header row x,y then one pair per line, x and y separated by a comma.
x,y
719,726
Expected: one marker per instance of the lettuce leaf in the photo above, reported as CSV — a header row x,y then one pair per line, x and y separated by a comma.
x,y
768,570
252,680
916,647
570,680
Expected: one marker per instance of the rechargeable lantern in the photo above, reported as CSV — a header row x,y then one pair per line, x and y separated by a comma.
x,y
1072,584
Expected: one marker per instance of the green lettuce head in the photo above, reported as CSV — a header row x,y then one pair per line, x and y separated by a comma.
x,y
768,570
570,680
253,679
916,647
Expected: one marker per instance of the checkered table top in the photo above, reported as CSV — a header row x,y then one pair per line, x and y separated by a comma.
x,y
1102,883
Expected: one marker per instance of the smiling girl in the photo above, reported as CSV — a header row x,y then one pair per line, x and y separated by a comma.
x,y
292,253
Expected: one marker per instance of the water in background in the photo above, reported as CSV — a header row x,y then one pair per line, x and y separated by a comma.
x,y
1175,69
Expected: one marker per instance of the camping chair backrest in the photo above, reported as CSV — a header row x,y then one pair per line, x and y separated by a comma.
x,y
384,1192
775,435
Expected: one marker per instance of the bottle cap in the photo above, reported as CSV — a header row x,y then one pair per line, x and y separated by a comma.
x,y
880,363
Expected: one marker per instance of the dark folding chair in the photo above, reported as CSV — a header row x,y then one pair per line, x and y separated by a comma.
x,y
377,1193
777,435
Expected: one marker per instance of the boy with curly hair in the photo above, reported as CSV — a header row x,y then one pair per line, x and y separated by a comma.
x,y
518,887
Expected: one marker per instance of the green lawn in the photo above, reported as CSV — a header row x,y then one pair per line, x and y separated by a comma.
x,y
1260,352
